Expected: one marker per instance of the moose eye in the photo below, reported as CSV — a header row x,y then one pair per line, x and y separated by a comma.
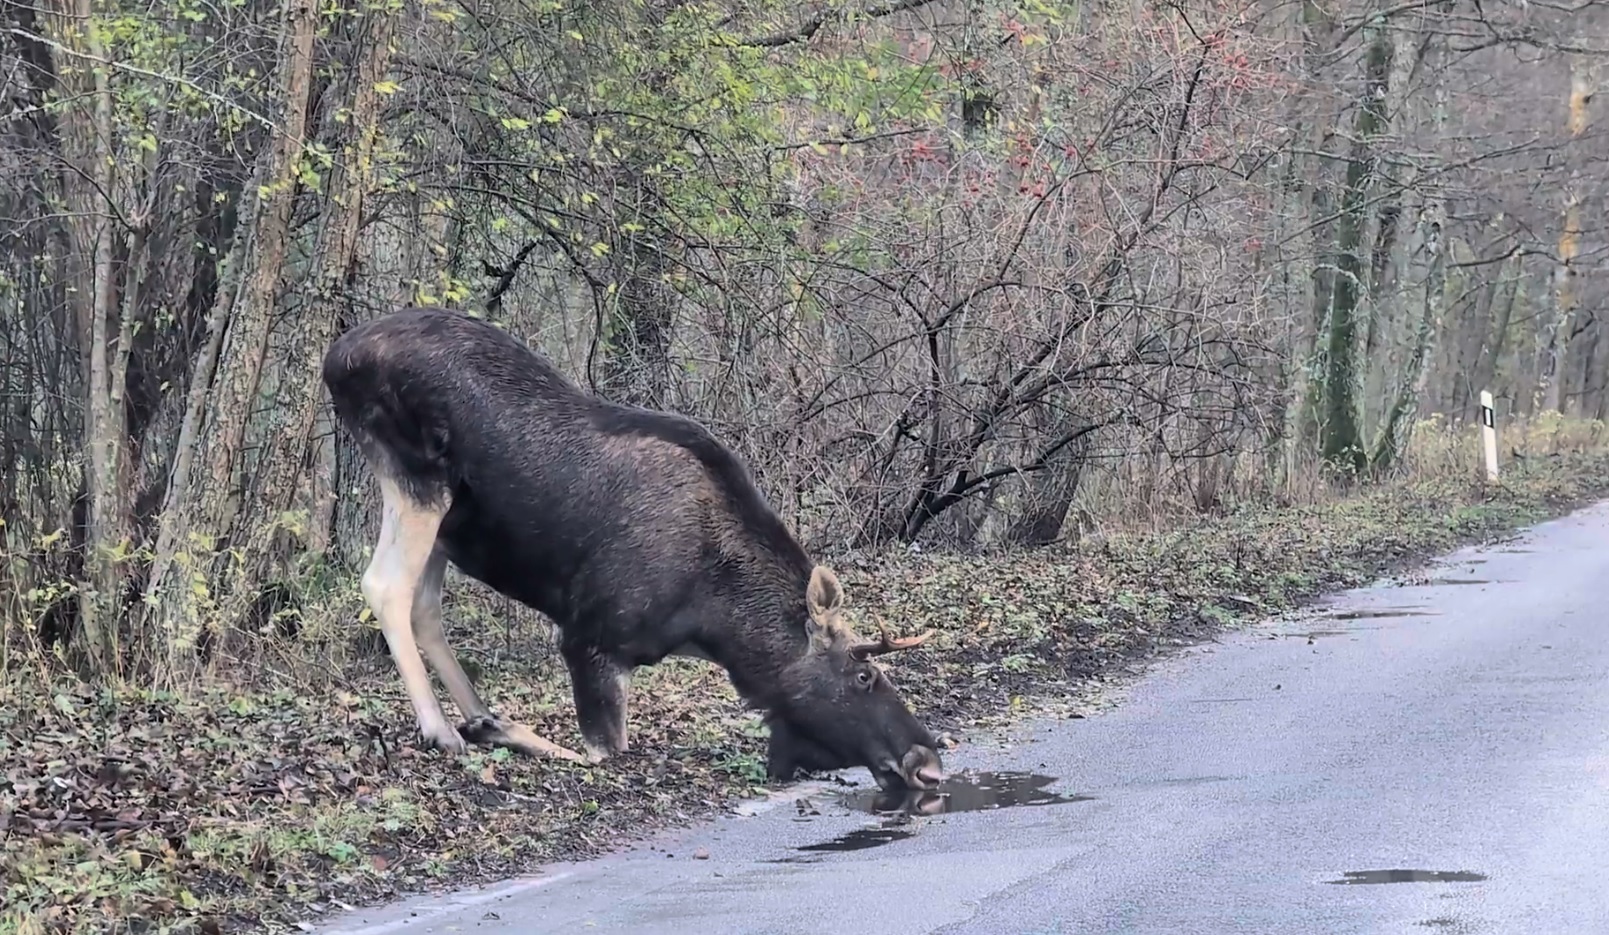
x,y
864,677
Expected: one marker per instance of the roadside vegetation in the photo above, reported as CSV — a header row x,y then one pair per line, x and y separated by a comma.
x,y
271,796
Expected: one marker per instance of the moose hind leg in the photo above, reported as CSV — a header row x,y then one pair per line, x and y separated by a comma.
x,y
599,685
480,724
427,630
407,537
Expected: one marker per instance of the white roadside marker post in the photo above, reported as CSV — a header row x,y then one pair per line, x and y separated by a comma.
x,y
1489,434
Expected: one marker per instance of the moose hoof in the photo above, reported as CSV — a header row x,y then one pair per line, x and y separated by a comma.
x,y
488,730
444,738
597,753
480,730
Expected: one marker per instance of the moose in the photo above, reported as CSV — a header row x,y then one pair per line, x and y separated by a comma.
x,y
634,530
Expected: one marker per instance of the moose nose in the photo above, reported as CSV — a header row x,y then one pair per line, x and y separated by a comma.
x,y
922,768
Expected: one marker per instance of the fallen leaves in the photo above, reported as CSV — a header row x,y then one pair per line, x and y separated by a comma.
x,y
205,811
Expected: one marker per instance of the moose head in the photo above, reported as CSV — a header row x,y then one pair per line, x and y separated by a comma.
x,y
839,709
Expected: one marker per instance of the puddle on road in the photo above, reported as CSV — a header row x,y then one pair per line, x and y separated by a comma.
x,y
963,792
860,839
1379,612
1408,876
1436,581
960,792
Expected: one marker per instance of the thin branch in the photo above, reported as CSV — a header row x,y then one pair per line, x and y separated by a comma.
x,y
213,96
813,25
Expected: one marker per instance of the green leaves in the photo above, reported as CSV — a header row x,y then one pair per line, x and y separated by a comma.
x,y
677,112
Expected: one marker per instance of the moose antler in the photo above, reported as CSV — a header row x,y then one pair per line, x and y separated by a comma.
x,y
885,643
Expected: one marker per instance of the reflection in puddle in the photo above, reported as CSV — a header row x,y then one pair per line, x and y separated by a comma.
x,y
861,839
960,792
1409,876
1381,612
963,792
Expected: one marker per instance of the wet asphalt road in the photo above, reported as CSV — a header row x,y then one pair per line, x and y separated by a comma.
x,y
1459,729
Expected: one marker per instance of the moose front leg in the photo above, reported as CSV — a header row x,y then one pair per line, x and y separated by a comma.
x,y
480,725
599,686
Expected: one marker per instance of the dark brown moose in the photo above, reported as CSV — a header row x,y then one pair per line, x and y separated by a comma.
x,y
636,531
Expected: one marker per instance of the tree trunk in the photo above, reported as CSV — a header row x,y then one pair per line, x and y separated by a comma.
x,y
1587,375
1049,493
225,382
87,142
636,366
1400,417
287,442
1489,361
1556,335
1341,440
246,342
1429,241
1312,202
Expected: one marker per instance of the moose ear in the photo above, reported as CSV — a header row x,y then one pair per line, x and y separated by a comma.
x,y
824,596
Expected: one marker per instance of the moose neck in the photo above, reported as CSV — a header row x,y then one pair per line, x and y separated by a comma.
x,y
760,630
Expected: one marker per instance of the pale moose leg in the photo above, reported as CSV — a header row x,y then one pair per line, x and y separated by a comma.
x,y
407,538
480,724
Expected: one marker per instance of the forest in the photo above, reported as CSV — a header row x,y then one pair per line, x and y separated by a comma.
x,y
939,272
980,278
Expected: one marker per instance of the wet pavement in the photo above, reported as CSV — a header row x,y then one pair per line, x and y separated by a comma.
x,y
1428,756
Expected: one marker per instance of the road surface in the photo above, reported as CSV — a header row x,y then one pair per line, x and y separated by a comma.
x,y
1431,758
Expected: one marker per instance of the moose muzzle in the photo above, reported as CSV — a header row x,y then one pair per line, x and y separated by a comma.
x,y
918,769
